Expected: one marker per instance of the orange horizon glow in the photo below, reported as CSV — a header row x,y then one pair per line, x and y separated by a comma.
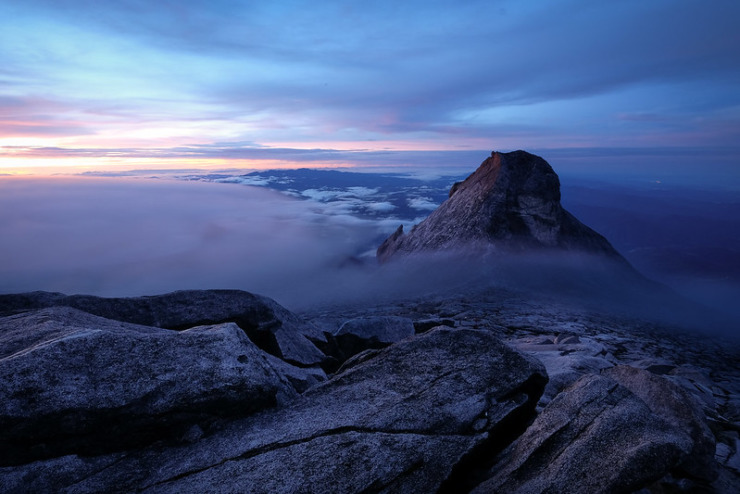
x,y
42,156
56,166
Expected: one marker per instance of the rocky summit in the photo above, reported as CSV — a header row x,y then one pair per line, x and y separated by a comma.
x,y
488,391
474,386
511,203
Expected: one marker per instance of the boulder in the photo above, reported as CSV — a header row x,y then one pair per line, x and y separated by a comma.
x,y
673,404
566,358
407,419
366,333
594,437
71,382
424,325
269,325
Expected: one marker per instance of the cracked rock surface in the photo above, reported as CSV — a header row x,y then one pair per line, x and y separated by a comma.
x,y
272,327
564,449
574,340
401,420
463,405
71,382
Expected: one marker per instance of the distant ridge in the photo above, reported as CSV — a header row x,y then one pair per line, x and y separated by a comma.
x,y
511,202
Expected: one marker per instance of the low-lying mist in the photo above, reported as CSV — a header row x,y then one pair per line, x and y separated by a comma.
x,y
578,280
131,237
125,237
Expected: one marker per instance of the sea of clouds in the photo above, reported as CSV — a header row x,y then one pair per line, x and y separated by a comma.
x,y
127,237
132,236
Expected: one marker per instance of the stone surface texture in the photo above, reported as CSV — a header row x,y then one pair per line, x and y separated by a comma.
x,y
511,202
272,327
71,382
401,421
594,437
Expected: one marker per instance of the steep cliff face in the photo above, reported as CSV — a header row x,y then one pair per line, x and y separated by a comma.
x,y
511,202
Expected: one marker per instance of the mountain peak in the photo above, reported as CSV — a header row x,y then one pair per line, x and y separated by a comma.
x,y
511,202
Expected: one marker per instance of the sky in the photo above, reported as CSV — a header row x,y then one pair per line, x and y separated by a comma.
x,y
238,84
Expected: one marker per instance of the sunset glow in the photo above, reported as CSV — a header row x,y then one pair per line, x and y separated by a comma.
x,y
233,84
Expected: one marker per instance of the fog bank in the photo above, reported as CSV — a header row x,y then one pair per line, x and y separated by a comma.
x,y
135,236
126,237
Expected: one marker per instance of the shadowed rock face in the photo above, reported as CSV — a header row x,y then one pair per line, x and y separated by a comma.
x,y
401,421
597,437
71,382
512,201
269,325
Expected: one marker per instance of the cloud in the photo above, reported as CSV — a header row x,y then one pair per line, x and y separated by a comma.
x,y
422,203
317,156
34,117
381,207
323,195
299,71
137,236
32,129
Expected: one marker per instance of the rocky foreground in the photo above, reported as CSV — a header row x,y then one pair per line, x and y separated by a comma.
x,y
225,391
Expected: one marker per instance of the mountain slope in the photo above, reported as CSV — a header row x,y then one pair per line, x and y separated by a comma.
x,y
511,202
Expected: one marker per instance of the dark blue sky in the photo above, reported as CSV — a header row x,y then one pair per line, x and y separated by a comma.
x,y
227,83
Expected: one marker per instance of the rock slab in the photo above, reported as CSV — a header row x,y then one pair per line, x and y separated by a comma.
x,y
595,437
71,382
269,325
403,420
673,404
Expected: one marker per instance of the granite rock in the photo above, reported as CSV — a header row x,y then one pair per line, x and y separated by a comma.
x,y
511,202
408,419
269,325
672,403
595,437
71,382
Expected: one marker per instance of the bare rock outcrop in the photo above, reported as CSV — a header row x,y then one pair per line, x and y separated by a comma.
x,y
408,419
94,404
511,202
597,436
675,405
269,325
71,382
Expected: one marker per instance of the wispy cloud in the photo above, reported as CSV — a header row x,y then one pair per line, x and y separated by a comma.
x,y
421,75
239,152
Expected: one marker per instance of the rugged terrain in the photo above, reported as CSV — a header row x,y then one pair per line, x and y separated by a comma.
x,y
511,202
550,382
492,391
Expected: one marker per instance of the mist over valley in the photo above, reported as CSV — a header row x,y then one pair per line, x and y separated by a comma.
x,y
304,236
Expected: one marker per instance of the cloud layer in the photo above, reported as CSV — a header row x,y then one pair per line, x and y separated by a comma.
x,y
136,236
232,80
132,237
